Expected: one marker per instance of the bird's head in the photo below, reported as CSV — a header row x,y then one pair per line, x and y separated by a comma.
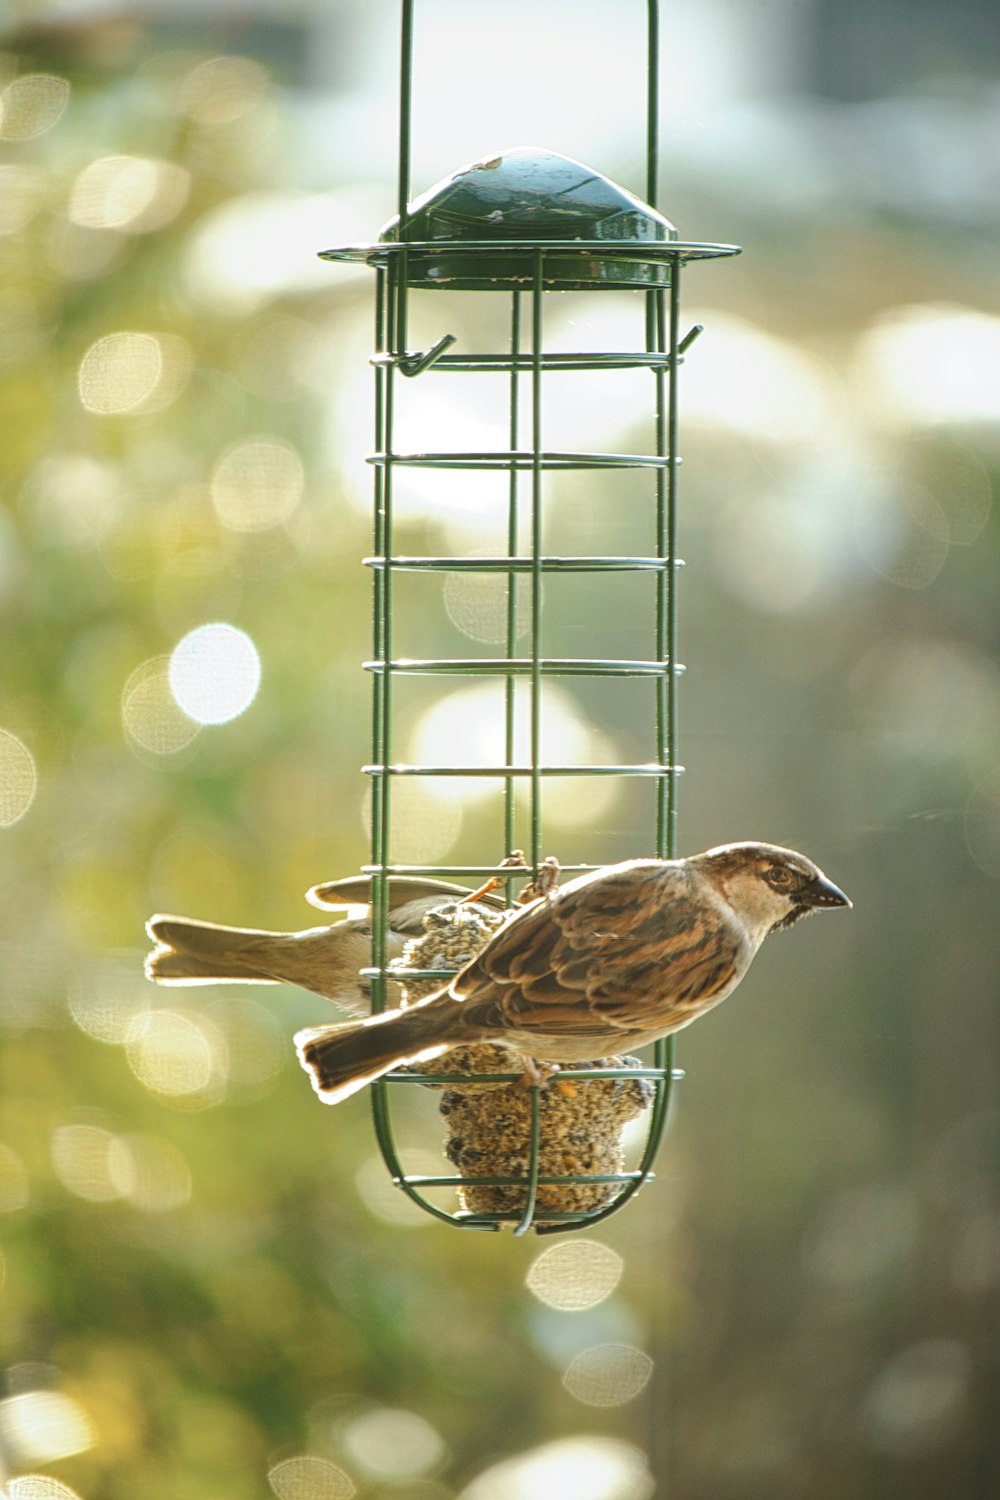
x,y
768,887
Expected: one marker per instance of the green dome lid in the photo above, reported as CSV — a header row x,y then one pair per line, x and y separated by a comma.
x,y
509,204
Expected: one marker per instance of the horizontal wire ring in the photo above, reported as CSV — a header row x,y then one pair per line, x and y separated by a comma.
x,y
520,459
523,564
520,666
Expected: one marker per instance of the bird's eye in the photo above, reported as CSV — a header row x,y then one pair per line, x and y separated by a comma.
x,y
780,876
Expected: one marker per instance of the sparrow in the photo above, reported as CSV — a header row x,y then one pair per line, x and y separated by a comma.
x,y
611,961
325,960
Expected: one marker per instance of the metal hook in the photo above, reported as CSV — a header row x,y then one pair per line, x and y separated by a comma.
x,y
690,337
416,364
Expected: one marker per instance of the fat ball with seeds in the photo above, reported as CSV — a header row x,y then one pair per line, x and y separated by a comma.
x,y
488,1125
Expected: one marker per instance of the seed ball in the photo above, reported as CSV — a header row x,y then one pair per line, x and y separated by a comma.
x,y
488,1124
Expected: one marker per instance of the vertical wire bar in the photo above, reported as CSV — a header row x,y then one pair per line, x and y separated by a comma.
x,y
405,111
666,544
536,556
665,1049
664,584
652,101
381,853
531,1190
510,685
398,285
672,679
654,344
395,335
382,717
385,329
664,1052
389,337
537,292
398,345
380,747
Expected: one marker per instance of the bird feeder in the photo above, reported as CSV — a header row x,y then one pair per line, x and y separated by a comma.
x,y
524,225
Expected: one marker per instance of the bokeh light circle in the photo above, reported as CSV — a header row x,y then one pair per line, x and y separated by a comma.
x,y
39,1426
575,1275
150,712
174,1054
79,1155
477,603
608,1374
221,89
257,484
149,1172
393,1445
256,1044
917,1400
307,1477
587,1466
214,673
130,193
119,373
18,778
105,997
39,1487
31,105
460,727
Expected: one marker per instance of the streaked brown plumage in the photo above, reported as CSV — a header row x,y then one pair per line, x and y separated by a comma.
x,y
613,960
325,960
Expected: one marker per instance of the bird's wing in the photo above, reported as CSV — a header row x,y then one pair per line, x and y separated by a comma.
x,y
615,951
356,890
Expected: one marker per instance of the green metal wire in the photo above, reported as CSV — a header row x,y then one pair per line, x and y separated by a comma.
x,y
662,254
654,266
513,540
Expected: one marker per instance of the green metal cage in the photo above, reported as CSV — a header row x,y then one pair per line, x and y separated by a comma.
x,y
524,225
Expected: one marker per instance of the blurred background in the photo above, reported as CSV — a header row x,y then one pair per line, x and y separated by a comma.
x,y
210,1290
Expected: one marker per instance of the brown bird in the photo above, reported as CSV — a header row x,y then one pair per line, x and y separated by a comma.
x,y
609,962
325,960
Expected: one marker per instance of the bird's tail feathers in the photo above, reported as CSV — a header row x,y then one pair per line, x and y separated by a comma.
x,y
341,1060
191,952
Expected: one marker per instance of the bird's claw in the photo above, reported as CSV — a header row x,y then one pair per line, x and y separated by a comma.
x,y
537,1074
513,861
544,883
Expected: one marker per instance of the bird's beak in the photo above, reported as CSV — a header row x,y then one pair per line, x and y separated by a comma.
x,y
823,892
